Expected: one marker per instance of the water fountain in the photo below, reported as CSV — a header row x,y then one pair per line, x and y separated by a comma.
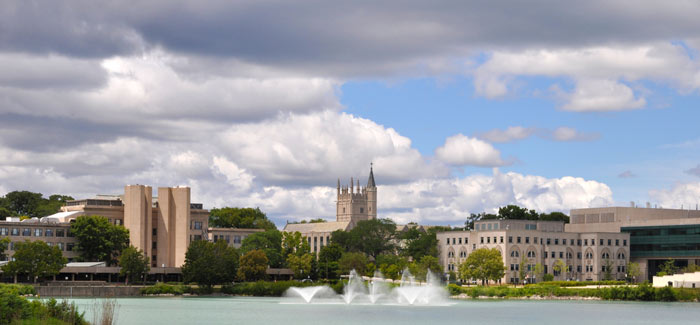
x,y
377,291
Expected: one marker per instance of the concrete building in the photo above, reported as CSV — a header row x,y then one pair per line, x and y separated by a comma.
x,y
656,235
353,204
162,227
233,236
586,254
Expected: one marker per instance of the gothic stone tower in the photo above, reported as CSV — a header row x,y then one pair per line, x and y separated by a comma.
x,y
357,203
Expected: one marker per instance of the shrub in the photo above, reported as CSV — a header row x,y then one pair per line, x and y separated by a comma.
x,y
666,294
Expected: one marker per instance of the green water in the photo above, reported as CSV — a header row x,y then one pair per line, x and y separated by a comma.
x,y
243,310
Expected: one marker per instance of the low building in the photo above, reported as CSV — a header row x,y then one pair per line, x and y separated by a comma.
x,y
656,235
318,234
161,226
587,255
233,236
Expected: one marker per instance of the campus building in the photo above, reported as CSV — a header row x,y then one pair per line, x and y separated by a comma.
x,y
587,255
162,226
656,234
353,204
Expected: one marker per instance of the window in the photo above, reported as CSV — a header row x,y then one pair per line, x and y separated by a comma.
x,y
585,242
561,254
606,256
601,242
60,233
578,268
15,232
198,225
617,242
460,240
563,241
518,239
510,239
545,255
227,238
482,239
48,233
197,237
494,239
154,261
624,242
154,245
118,222
549,241
26,232
554,254
578,255
38,232
609,242
3,231
514,254
448,241
466,240
473,246
501,239
60,246
556,241
236,239
535,240
154,232
488,240
621,256
69,248
489,226
578,242
527,240
362,210
569,255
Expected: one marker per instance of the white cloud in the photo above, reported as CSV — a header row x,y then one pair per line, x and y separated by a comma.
x,y
515,133
236,176
460,150
512,133
570,134
600,73
686,195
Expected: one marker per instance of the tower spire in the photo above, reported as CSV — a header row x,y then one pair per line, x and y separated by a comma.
x,y
370,181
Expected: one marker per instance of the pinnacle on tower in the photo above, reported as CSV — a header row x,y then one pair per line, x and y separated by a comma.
x,y
370,181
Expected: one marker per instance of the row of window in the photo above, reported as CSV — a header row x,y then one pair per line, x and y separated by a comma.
x,y
36,232
236,238
519,240
62,246
318,243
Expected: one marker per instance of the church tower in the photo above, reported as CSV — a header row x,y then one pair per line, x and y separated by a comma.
x,y
355,203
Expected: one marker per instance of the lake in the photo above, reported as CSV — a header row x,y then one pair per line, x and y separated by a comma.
x,y
247,310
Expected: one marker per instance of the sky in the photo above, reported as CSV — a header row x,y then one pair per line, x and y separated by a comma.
x,y
461,107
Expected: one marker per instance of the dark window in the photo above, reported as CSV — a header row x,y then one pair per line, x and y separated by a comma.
x,y
518,239
26,232
527,240
60,233
549,241
510,239
155,232
15,232
48,233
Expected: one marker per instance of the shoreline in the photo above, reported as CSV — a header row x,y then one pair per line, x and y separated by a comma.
x,y
465,296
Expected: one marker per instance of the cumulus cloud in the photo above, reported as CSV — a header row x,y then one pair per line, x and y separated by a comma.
x,y
460,150
681,194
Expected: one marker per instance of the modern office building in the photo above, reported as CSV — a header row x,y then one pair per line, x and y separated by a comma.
x,y
656,235
161,226
587,255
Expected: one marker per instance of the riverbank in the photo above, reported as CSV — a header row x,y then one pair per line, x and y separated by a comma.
x,y
15,308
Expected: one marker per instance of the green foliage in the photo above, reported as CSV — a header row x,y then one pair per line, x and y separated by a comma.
x,y
668,268
133,263
691,268
560,267
522,269
210,263
419,244
16,309
483,264
580,283
607,275
391,265
548,277
35,259
514,212
352,261
300,265
4,243
328,261
293,243
98,239
239,218
371,237
633,270
253,266
162,288
318,220
270,242
25,203
420,269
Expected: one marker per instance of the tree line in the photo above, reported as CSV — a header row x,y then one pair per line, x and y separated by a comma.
x,y
26,204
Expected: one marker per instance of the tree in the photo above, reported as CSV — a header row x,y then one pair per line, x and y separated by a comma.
x,y
538,271
391,265
133,263
294,243
554,216
4,243
208,263
607,274
691,268
328,260
343,239
633,271
240,218
514,212
373,237
352,261
253,266
5,213
419,244
23,202
483,264
270,242
559,268
668,268
300,265
522,272
98,239
426,263
36,259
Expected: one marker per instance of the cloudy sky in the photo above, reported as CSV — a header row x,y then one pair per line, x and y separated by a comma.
x,y
462,107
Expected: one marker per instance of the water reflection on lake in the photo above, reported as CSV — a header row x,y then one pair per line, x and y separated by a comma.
x,y
245,310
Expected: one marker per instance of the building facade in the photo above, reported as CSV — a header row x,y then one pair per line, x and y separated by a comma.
x,y
588,256
162,227
656,235
353,204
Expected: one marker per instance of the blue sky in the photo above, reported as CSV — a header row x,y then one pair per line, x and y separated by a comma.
x,y
463,107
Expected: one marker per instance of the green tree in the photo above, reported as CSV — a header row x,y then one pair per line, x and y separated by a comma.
x,y
607,273
270,242
514,212
5,213
343,239
538,271
668,268
522,271
559,268
52,205
23,202
418,244
373,237
35,259
633,271
469,224
300,265
133,263
554,216
691,268
328,260
352,261
391,265
208,263
4,243
426,263
483,264
98,239
240,218
253,266
294,243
